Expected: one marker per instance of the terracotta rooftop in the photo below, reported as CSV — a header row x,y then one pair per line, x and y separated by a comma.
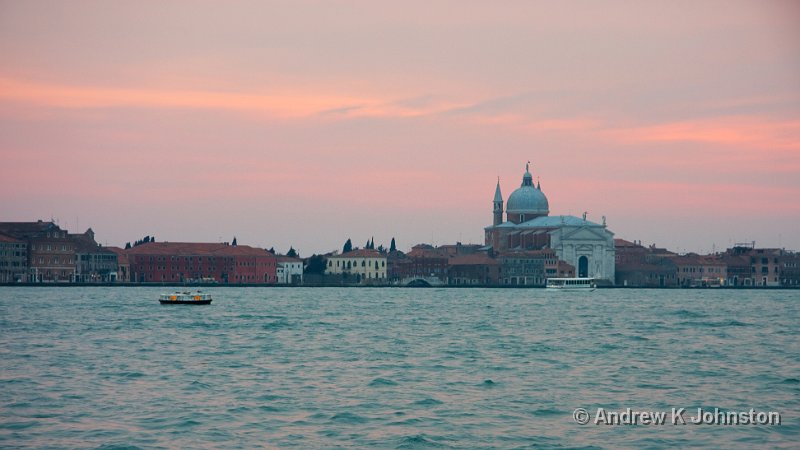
x,y
361,253
122,256
196,249
699,260
624,243
17,228
8,238
422,252
84,243
528,254
736,260
473,259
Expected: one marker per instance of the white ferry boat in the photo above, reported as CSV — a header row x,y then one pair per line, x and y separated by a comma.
x,y
572,284
185,298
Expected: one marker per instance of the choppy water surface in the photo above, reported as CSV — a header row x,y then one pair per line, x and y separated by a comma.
x,y
391,368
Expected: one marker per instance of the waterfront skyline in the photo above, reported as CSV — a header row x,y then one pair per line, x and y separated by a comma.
x,y
305,124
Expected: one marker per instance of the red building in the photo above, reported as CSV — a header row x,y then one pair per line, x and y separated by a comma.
x,y
422,262
790,269
700,270
178,262
51,253
13,259
476,269
750,266
531,267
639,266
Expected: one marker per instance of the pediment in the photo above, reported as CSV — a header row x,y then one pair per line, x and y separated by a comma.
x,y
584,234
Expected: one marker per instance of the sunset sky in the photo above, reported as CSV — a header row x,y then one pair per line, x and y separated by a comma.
x,y
305,123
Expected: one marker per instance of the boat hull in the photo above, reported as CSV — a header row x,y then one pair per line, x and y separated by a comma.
x,y
185,302
571,289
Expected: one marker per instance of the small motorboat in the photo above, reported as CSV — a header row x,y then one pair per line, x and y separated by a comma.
x,y
185,298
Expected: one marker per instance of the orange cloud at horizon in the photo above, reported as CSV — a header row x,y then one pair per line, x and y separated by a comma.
x,y
735,130
289,106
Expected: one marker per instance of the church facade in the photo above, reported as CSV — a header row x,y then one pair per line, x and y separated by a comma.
x,y
586,245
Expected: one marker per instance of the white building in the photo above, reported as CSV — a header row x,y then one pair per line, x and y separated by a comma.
x,y
289,270
365,265
586,245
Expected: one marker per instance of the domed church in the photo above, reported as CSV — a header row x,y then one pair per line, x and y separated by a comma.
x,y
587,245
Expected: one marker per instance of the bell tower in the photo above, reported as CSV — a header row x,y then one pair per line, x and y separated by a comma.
x,y
498,205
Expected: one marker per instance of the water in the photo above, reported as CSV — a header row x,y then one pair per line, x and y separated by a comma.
x,y
392,368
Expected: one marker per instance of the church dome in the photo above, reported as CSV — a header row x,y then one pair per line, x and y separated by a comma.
x,y
528,199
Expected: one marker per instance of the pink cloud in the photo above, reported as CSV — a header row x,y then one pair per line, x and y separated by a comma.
x,y
750,131
288,103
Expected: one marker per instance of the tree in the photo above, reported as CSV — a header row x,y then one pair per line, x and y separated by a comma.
x,y
393,246
271,250
292,252
127,245
348,246
234,241
316,264
381,249
146,239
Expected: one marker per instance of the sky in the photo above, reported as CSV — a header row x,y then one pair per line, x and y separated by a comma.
x,y
296,123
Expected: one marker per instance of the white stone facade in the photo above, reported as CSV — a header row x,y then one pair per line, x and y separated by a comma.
x,y
594,243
